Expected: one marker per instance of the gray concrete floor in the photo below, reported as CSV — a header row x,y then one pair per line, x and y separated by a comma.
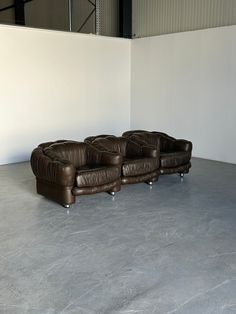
x,y
169,249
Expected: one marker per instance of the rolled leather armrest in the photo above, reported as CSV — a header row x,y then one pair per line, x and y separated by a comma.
x,y
150,151
111,159
183,145
60,172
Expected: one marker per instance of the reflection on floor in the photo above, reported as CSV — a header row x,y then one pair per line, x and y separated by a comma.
x,y
169,249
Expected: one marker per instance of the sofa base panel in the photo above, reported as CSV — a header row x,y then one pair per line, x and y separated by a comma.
x,y
149,177
180,169
109,187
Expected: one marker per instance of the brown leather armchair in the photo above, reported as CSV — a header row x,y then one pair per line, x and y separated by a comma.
x,y
140,163
175,154
66,169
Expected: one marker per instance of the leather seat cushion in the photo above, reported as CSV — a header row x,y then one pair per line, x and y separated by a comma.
x,y
134,167
174,159
94,176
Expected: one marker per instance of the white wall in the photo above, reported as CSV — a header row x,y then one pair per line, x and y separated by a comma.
x,y
185,84
56,85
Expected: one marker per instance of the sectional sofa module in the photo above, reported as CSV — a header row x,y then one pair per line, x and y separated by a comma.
x,y
66,169
140,162
175,154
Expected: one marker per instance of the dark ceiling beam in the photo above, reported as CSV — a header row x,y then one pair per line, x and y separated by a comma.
x,y
19,12
125,18
12,6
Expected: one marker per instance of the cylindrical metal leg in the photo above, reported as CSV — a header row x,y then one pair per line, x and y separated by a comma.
x,y
66,205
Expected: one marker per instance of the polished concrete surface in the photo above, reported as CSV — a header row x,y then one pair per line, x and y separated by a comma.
x,y
169,249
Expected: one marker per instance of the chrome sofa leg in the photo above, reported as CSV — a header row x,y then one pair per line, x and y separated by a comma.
x,y
66,205
112,193
149,182
181,174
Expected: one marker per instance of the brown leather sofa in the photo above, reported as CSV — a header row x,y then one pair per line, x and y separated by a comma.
x,y
175,154
140,163
66,169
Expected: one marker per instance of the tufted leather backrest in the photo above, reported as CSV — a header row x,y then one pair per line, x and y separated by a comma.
x,y
159,139
110,143
75,152
166,142
147,138
132,132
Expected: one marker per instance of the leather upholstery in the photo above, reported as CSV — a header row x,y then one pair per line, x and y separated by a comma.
x,y
140,163
180,169
57,171
175,155
93,176
134,167
113,187
63,167
174,159
75,153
